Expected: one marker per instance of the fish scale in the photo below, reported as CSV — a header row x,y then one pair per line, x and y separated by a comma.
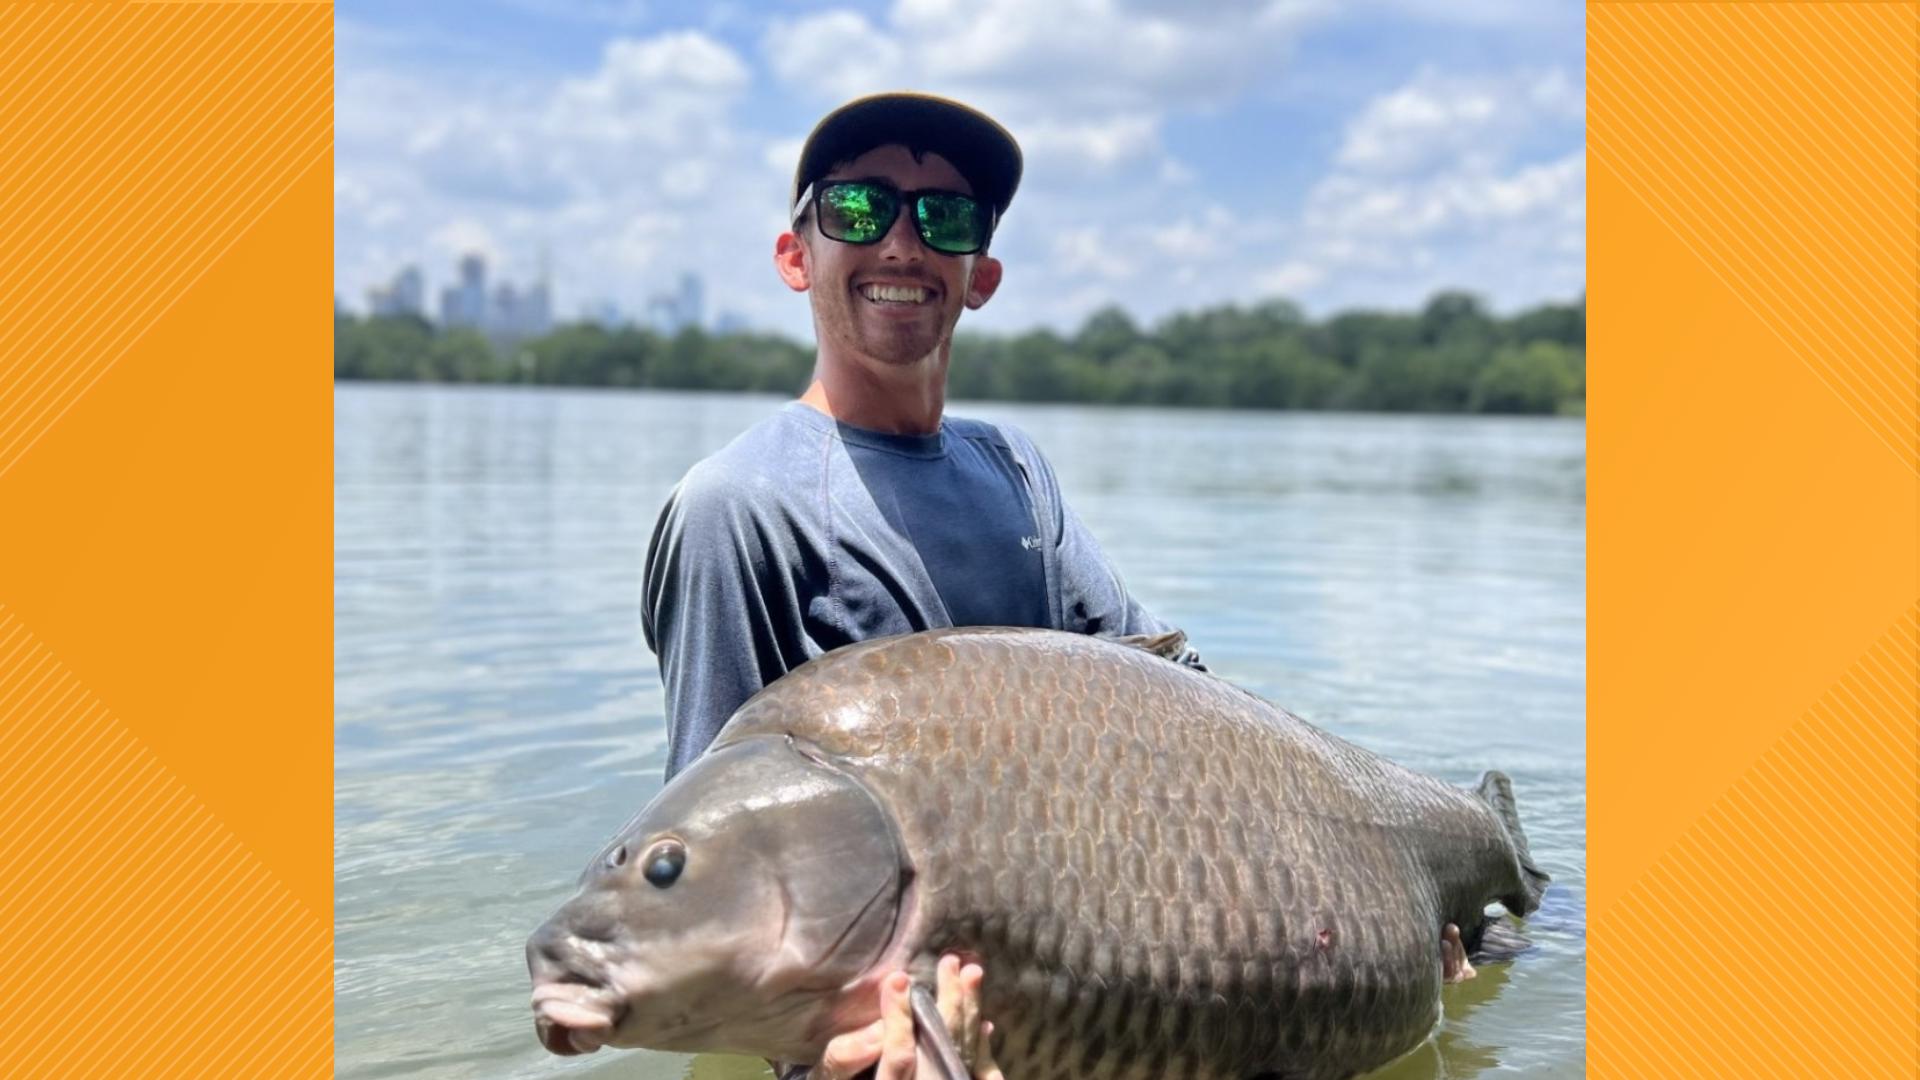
x,y
1285,889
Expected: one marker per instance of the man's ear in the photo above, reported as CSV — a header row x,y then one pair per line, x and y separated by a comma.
x,y
790,260
985,279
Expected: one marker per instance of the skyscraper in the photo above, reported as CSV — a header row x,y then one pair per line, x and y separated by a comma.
x,y
465,302
671,312
504,314
406,294
691,301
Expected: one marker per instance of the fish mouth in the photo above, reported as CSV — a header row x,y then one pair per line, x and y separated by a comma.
x,y
573,1019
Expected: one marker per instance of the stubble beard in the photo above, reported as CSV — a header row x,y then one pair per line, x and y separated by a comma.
x,y
896,345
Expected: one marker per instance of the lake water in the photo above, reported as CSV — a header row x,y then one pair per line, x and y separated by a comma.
x,y
1415,584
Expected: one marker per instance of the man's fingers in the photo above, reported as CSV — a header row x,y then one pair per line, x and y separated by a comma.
x,y
947,993
966,1031
848,1055
984,1067
1454,966
896,1036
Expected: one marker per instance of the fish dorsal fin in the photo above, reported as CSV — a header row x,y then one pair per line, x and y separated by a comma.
x,y
1167,646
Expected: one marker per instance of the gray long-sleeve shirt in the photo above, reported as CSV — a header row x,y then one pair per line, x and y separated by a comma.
x,y
805,534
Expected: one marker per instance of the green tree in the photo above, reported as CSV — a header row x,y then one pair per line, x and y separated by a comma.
x,y
682,364
395,347
1450,356
1455,318
1106,334
1138,375
1349,336
1039,367
1563,324
462,356
1534,378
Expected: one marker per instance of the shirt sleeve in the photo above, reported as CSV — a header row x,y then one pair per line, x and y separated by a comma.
x,y
712,611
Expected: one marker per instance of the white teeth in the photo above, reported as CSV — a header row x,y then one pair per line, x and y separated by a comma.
x,y
898,294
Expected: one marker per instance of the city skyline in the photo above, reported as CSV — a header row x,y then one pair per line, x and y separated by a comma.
x,y
507,312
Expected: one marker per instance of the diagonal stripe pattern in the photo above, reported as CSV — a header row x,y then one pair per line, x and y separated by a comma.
x,y
1780,144
1781,931
141,937
1721,118
141,141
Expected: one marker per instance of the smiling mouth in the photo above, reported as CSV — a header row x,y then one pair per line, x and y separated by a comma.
x,y
896,296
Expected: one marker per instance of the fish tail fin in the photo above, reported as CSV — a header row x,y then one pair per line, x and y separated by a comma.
x,y
1497,792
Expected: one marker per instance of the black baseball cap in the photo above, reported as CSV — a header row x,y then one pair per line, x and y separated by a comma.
x,y
974,142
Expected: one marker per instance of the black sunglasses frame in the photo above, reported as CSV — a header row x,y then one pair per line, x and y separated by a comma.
x,y
903,200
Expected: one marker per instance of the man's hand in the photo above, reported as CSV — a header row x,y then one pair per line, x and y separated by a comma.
x,y
889,1041
1454,965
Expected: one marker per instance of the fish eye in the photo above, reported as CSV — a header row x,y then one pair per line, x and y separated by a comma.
x,y
664,863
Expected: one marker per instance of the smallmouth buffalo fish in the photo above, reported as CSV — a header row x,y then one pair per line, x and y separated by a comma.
x,y
1164,875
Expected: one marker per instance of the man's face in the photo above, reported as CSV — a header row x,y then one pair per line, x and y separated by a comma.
x,y
842,278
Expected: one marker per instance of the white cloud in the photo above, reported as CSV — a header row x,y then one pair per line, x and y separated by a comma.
x,y
835,54
1436,120
1189,239
1091,252
1087,85
783,154
1291,277
465,236
1433,188
1093,146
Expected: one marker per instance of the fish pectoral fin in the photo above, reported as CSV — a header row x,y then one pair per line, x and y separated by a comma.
x,y
1168,646
936,1043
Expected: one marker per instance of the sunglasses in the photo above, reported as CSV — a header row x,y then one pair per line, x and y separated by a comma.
x,y
863,211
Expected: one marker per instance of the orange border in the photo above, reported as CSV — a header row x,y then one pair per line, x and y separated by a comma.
x,y
165,592
1754,452
164,418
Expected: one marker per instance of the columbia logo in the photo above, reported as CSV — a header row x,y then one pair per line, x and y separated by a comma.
x,y
1031,543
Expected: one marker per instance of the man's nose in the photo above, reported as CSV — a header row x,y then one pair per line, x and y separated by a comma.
x,y
902,242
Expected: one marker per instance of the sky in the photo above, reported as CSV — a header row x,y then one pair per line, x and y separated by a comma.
x,y
1339,153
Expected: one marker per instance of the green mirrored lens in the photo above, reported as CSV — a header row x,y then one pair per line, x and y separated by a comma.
x,y
951,222
857,213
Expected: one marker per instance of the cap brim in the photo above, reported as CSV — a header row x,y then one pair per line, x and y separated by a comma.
x,y
983,151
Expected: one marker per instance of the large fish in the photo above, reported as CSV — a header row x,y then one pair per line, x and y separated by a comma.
x,y
1164,875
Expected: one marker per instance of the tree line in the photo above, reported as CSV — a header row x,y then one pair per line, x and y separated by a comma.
x,y
1450,356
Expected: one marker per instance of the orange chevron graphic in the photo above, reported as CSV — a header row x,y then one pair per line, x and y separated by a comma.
x,y
141,141
131,913
1754,538
1777,140
1785,919
164,417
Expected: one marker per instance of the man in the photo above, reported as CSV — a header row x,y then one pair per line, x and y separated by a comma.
x,y
862,510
